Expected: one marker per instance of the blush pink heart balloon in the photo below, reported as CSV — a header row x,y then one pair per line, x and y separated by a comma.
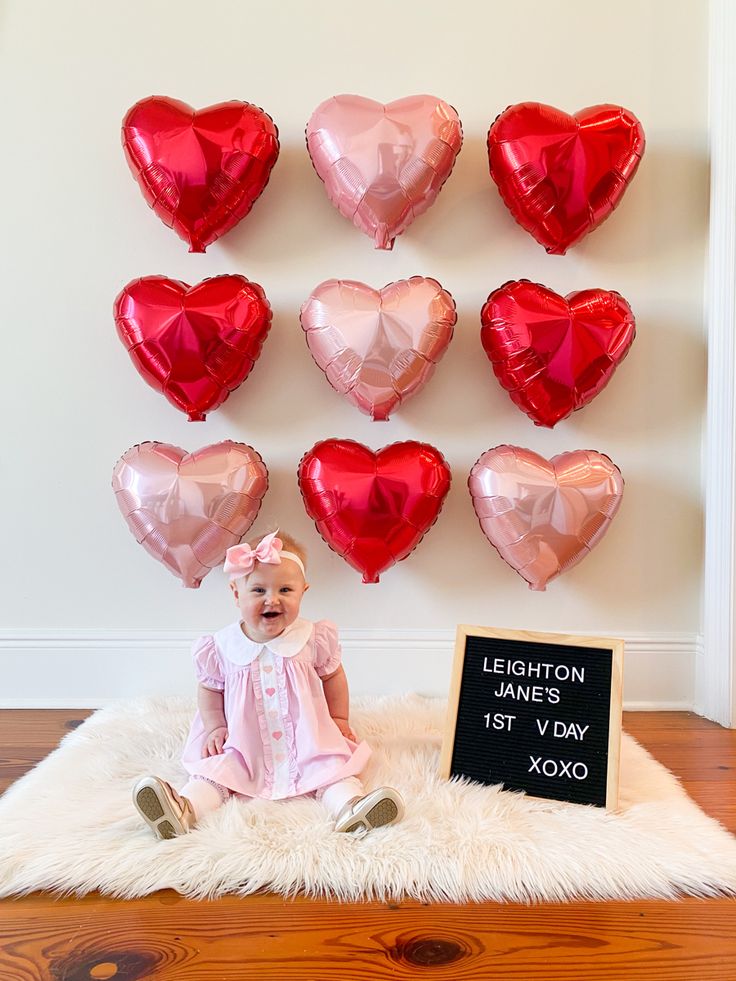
x,y
544,516
382,165
187,509
378,347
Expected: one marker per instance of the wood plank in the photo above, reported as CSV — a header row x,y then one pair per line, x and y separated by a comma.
x,y
167,937
271,938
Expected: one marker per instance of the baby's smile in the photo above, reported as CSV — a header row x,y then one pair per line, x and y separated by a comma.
x,y
269,599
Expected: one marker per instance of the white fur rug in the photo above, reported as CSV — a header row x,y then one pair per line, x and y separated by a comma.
x,y
69,825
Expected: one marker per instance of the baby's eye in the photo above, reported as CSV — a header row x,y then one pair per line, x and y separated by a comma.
x,y
286,589
258,589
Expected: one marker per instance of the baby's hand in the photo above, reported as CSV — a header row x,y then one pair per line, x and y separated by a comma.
x,y
344,726
214,742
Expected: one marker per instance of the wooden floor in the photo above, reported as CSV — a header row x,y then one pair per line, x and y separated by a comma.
x,y
265,937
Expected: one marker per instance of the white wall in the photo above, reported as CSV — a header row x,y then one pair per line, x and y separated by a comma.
x,y
76,229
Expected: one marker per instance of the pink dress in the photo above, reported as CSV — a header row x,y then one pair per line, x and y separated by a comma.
x,y
281,739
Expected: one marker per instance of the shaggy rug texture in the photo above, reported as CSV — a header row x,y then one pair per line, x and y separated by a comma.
x,y
69,825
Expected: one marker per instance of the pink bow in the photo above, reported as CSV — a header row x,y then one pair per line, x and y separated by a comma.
x,y
240,560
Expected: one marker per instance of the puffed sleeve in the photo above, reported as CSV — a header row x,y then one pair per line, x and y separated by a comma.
x,y
207,665
327,650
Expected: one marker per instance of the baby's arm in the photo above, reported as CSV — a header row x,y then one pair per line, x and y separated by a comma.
x,y
338,700
211,705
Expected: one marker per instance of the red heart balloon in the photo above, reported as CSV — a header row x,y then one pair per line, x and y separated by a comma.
x,y
200,170
373,508
559,175
553,354
195,344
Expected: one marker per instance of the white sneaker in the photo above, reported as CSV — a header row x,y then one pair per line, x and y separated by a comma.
x,y
162,808
375,810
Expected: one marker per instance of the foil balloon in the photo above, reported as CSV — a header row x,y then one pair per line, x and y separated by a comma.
x,y
199,169
383,165
378,347
544,516
559,175
195,344
187,509
554,354
371,508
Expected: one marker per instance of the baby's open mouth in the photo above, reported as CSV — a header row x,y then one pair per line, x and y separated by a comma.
x,y
271,614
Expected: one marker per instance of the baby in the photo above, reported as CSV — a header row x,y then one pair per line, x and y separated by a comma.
x,y
272,718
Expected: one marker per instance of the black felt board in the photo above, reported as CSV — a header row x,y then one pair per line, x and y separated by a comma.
x,y
536,716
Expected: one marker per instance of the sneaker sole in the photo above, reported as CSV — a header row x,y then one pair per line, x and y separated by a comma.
x,y
384,812
150,806
355,827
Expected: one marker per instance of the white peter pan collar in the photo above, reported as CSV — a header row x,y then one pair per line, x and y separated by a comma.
x,y
236,647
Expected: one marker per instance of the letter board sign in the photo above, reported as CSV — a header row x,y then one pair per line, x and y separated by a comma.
x,y
536,712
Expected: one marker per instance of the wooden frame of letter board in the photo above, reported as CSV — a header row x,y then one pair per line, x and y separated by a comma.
x,y
567,640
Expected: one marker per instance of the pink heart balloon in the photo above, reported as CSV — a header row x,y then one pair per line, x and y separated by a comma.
x,y
187,509
378,347
382,165
544,516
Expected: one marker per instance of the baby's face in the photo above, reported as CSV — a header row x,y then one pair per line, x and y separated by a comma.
x,y
269,598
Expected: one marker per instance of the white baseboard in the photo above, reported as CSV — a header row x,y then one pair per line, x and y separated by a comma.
x,y
88,668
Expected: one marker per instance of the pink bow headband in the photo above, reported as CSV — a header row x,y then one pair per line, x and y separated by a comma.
x,y
240,560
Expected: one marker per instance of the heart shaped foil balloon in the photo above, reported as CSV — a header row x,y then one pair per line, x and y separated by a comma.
x,y
187,509
199,169
554,354
371,508
383,165
195,344
559,175
544,516
378,347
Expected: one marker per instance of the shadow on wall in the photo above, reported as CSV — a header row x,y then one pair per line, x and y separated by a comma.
x,y
293,217
283,387
655,220
660,387
618,577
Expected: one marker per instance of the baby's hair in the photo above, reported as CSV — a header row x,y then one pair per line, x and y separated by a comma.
x,y
290,544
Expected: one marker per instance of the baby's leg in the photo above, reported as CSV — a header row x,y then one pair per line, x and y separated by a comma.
x,y
169,813
337,795
354,810
204,795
